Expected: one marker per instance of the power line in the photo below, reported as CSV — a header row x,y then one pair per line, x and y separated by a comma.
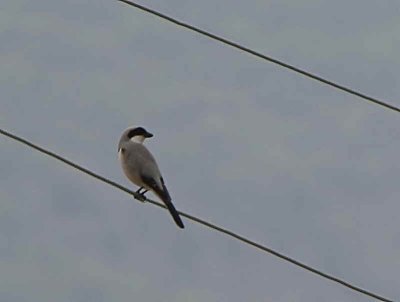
x,y
196,219
262,56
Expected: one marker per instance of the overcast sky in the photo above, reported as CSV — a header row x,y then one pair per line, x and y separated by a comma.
x,y
291,163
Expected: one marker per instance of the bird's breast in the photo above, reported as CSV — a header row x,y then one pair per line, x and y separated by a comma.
x,y
129,166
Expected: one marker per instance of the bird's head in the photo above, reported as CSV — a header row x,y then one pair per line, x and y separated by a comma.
x,y
135,134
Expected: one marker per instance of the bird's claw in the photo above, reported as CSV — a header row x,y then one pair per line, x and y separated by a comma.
x,y
140,197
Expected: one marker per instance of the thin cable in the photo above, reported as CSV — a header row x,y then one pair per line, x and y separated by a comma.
x,y
198,220
262,56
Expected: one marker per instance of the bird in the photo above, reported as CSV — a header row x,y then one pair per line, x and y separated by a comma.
x,y
141,168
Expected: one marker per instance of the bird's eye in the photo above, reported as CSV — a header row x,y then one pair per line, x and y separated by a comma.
x,y
137,131
131,133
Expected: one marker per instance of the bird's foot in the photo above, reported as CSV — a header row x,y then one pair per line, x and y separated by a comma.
x,y
140,197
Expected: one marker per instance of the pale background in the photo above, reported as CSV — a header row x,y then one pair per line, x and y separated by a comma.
x,y
291,163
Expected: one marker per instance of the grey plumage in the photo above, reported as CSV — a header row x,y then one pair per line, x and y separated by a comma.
x,y
141,168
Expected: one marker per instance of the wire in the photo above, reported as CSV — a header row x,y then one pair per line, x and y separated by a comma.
x,y
194,218
262,56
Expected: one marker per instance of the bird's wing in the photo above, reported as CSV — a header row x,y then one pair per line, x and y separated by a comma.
x,y
163,194
151,177
146,165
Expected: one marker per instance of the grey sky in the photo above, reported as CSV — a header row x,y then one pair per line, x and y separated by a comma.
x,y
291,163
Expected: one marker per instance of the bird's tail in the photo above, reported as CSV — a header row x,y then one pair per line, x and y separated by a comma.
x,y
166,198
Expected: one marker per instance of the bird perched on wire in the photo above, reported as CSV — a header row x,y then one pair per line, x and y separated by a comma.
x,y
141,168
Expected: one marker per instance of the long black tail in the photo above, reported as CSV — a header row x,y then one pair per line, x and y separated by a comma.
x,y
164,196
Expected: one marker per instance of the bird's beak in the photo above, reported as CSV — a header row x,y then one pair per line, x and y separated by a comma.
x,y
148,134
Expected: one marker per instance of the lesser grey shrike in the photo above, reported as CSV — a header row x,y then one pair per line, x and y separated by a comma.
x,y
141,168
